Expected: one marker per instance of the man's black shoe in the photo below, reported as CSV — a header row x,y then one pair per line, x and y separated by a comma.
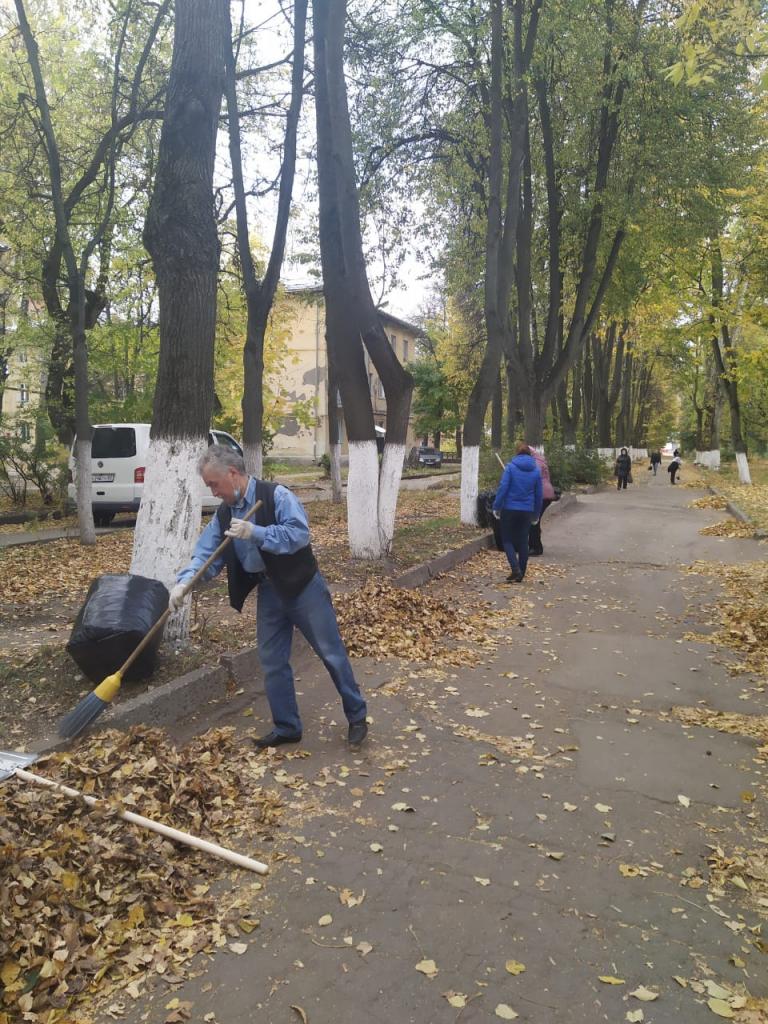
x,y
275,739
357,733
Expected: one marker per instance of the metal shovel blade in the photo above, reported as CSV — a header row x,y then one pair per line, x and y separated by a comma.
x,y
10,760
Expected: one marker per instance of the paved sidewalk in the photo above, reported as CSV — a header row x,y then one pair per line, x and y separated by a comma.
x,y
566,827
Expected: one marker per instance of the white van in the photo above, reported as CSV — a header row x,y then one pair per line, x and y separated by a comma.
x,y
118,458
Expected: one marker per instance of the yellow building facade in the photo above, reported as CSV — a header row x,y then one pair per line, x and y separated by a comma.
x,y
304,377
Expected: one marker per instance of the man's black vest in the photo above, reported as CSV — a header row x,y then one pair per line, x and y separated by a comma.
x,y
289,573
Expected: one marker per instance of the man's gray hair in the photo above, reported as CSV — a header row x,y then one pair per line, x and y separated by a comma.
x,y
219,457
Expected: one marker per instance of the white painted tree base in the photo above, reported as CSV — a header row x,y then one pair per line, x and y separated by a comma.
x,y
363,500
470,468
83,492
607,453
168,523
389,488
253,455
709,459
743,467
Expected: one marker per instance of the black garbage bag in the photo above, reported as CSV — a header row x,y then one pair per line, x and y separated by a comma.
x,y
118,612
485,501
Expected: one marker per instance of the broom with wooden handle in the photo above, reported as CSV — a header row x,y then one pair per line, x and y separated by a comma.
x,y
91,706
239,859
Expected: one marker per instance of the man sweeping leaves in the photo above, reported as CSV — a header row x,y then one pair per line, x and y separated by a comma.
x,y
274,554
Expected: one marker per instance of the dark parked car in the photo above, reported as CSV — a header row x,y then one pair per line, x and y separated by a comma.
x,y
423,456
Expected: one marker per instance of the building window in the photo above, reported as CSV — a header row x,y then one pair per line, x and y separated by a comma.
x,y
405,350
393,342
24,431
23,394
381,390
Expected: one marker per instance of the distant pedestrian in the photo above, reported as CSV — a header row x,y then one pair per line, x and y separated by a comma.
x,y
655,461
623,470
674,468
548,496
518,504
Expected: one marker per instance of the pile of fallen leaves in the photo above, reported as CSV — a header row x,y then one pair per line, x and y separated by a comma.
x,y
90,903
728,528
715,501
382,621
743,869
751,499
32,574
744,613
731,722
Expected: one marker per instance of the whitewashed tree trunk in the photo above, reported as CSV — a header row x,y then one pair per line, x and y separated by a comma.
x,y
83,492
363,500
743,466
254,459
336,485
607,453
168,523
470,468
709,459
389,488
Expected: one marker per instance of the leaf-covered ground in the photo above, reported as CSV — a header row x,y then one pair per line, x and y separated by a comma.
x,y
43,585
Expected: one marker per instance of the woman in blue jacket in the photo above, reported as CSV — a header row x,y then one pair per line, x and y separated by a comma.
x,y
518,505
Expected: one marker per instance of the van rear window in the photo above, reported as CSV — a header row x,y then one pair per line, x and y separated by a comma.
x,y
113,443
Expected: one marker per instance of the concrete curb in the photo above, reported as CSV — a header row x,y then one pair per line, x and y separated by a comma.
x,y
173,702
737,513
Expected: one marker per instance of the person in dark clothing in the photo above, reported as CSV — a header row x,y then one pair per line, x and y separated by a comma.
x,y
535,547
518,504
655,461
673,468
623,469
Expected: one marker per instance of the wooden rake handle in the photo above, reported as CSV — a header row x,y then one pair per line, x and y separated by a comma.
x,y
187,587
155,826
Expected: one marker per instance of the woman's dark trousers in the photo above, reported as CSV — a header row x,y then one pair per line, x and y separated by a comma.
x,y
515,525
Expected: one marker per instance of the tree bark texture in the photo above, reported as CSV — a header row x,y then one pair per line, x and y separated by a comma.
x,y
180,232
350,311
181,237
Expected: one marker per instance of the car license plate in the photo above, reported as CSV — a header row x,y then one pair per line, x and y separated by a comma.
x,y
103,478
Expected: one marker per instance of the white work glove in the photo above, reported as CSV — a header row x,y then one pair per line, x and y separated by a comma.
x,y
240,529
496,515
176,599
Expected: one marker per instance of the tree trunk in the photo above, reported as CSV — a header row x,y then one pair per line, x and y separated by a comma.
x,y
497,412
75,286
181,237
334,437
350,311
725,363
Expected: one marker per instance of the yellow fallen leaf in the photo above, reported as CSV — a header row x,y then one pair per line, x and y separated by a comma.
x,y
9,972
506,1012
238,947
603,808
184,920
720,1007
248,924
456,999
609,979
635,1015
569,807
376,847
482,881
428,967
644,994
555,855
325,920
684,800
173,1004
